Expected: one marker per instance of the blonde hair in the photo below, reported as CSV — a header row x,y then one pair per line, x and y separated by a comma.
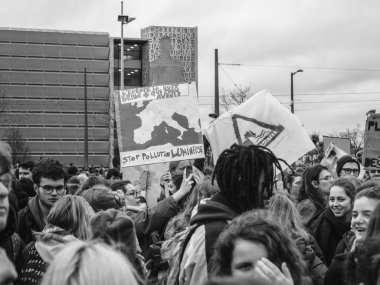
x,y
70,214
90,263
286,215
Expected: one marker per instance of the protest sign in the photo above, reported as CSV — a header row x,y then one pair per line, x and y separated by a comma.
x,y
371,153
343,143
332,154
261,120
158,124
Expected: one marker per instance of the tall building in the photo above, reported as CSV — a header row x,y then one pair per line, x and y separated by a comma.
x,y
43,75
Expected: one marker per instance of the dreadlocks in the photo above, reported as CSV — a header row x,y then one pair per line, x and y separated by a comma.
x,y
239,172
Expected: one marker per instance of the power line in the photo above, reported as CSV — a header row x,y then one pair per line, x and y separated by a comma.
x,y
303,67
319,94
233,82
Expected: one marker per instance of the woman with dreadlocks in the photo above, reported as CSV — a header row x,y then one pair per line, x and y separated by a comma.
x,y
244,175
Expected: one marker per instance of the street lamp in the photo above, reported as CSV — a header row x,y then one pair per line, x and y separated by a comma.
x,y
124,19
291,90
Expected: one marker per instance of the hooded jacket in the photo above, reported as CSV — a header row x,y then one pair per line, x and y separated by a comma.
x,y
211,219
328,231
30,219
38,255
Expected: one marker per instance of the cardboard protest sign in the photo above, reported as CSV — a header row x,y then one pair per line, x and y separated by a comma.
x,y
261,120
158,124
371,153
332,154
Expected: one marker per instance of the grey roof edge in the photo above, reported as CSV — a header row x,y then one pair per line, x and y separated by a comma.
x,y
53,31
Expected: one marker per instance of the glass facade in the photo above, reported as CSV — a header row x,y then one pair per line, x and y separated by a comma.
x,y
43,73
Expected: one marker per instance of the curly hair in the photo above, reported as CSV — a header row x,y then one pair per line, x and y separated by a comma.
x,y
245,174
49,168
255,226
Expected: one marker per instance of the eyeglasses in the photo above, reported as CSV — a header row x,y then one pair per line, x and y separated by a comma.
x,y
351,170
326,178
48,189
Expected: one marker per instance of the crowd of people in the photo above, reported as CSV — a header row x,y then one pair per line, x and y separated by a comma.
x,y
245,221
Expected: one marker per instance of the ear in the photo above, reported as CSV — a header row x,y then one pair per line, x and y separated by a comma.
x,y
314,183
35,186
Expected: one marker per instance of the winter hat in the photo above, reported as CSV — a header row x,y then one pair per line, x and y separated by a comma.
x,y
344,159
115,228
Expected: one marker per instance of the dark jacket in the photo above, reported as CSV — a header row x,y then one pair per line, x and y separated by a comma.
x,y
9,240
8,272
316,268
328,231
153,219
211,219
335,273
30,219
346,243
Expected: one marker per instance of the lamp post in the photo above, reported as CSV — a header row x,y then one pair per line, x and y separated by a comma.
x,y
124,19
291,90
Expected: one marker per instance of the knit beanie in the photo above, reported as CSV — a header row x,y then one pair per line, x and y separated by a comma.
x,y
344,159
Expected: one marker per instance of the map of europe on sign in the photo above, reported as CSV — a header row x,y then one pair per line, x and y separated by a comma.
x,y
158,124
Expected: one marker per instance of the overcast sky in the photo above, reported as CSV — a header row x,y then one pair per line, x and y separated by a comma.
x,y
336,43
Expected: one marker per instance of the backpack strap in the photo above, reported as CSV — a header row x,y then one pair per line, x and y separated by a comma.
x,y
186,241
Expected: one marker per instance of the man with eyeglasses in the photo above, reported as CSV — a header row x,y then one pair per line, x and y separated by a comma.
x,y
49,178
347,166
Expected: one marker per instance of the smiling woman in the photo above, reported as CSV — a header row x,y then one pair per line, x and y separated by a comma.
x,y
328,228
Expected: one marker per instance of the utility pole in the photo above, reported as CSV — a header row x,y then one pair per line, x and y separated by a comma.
x,y
291,90
124,19
85,164
216,83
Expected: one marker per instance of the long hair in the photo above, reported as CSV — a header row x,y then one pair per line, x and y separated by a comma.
x,y
182,219
69,213
90,263
255,226
285,213
245,175
307,190
373,230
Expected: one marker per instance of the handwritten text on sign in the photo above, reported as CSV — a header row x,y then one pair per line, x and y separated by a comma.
x,y
151,93
371,153
156,155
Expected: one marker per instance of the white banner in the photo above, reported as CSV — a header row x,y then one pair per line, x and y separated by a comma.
x,y
261,120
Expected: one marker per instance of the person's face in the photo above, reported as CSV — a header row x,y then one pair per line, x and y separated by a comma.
x,y
114,179
340,203
350,169
49,190
374,174
182,165
361,214
244,257
324,182
296,182
131,194
4,206
172,188
25,173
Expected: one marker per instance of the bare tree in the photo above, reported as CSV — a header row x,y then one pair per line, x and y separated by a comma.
x,y
235,97
4,102
356,136
19,146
